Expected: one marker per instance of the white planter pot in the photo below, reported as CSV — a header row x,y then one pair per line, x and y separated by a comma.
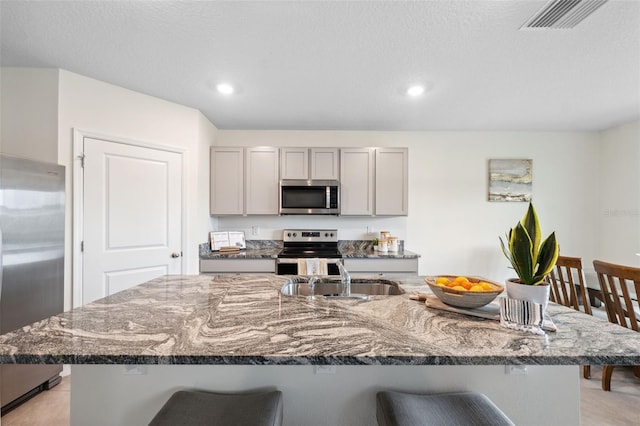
x,y
533,293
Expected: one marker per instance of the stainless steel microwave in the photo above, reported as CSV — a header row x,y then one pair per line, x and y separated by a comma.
x,y
309,196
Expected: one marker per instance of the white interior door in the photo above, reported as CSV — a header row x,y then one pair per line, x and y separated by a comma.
x,y
132,216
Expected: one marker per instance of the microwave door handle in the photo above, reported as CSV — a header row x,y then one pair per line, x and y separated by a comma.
x,y
328,197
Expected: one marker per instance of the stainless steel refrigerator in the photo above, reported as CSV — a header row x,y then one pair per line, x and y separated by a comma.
x,y
31,263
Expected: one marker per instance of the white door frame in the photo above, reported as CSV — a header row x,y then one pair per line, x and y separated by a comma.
x,y
78,201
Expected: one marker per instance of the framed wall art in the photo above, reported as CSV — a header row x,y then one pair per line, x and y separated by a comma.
x,y
510,180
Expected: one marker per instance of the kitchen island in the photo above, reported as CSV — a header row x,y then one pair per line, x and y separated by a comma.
x,y
233,332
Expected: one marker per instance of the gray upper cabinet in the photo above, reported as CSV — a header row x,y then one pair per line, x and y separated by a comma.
x,y
392,181
325,163
356,181
374,182
244,181
309,163
294,163
227,181
262,181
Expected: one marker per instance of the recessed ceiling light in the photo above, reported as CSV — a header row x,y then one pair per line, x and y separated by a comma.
x,y
415,90
224,88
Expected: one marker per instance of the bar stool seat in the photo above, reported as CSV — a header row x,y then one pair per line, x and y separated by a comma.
x,y
194,408
453,408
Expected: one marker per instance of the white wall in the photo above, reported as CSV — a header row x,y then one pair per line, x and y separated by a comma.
x,y
619,201
99,107
450,222
29,113
42,107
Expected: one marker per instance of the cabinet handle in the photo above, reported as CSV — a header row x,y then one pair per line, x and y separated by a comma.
x,y
174,255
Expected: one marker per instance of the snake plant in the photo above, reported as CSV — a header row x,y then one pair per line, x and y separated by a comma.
x,y
531,260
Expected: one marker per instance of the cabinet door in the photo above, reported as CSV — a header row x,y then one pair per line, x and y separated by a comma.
x,y
392,180
381,266
262,181
294,163
325,163
224,266
356,181
227,181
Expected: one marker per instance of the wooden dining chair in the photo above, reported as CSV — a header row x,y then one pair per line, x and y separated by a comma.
x,y
568,284
621,305
568,288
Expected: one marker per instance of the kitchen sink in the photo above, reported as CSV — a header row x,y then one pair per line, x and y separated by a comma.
x,y
360,288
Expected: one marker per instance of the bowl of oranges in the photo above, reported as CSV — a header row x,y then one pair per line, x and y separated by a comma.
x,y
464,292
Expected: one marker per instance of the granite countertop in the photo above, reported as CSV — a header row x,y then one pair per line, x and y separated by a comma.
x,y
362,249
269,249
248,253
242,319
256,249
371,254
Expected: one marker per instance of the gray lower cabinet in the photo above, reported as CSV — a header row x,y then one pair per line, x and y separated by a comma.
x,y
381,266
220,266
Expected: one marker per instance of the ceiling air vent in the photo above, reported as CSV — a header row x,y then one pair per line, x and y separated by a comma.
x,y
563,14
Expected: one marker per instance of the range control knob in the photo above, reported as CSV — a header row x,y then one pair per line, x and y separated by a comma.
x,y
295,234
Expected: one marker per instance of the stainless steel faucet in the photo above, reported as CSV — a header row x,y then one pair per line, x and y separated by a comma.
x,y
345,279
312,284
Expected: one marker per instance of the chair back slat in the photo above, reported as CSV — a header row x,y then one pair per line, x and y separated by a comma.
x,y
568,284
615,281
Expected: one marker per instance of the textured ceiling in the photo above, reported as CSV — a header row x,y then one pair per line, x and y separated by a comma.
x,y
344,65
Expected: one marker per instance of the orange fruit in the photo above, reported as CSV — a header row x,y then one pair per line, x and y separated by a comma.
x,y
486,286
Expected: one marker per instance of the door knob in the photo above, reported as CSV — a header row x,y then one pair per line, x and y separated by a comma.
x,y
174,255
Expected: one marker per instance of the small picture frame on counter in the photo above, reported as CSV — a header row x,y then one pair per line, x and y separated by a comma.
x,y
226,239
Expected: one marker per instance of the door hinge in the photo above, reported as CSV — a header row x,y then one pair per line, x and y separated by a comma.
x,y
81,246
81,157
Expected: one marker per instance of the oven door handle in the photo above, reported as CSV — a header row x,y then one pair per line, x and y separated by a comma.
x,y
295,260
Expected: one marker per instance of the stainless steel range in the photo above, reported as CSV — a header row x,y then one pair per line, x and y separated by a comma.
x,y
309,252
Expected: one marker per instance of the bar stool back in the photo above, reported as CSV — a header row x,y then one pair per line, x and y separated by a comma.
x,y
195,408
442,409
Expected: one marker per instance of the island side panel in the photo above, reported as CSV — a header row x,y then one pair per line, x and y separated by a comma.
x,y
548,395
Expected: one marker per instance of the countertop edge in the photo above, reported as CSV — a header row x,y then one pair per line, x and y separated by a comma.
x,y
318,360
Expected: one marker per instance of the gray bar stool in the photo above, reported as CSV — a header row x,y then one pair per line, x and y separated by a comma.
x,y
195,408
454,408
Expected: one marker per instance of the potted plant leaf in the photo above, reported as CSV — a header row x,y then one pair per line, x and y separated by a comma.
x,y
531,259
